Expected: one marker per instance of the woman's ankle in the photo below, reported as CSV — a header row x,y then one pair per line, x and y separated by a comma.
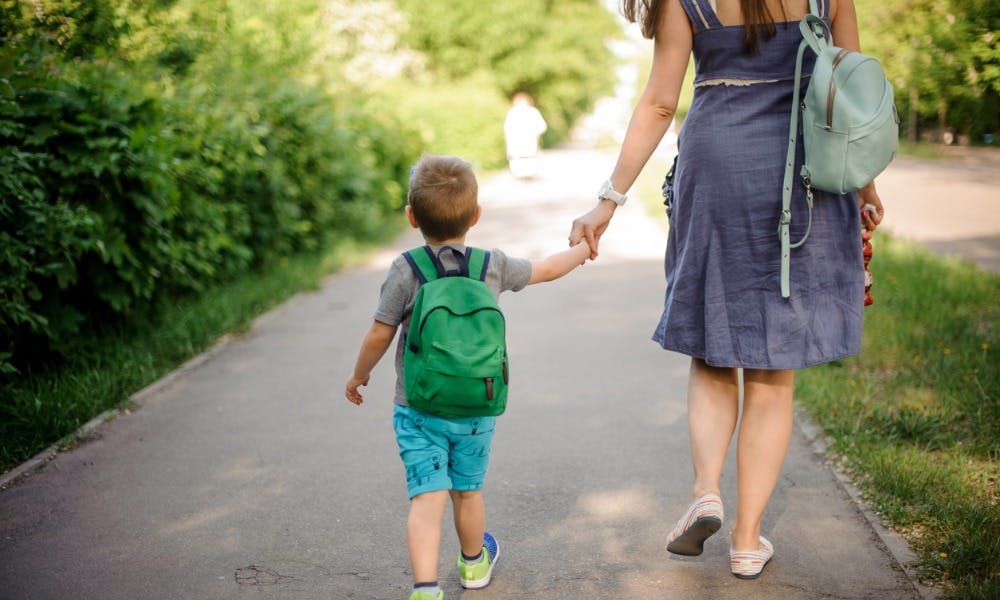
x,y
745,538
700,491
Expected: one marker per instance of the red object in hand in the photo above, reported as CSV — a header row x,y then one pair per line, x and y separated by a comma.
x,y
866,249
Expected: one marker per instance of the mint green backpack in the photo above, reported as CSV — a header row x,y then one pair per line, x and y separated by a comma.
x,y
850,128
455,361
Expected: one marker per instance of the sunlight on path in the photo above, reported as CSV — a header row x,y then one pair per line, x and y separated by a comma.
x,y
532,218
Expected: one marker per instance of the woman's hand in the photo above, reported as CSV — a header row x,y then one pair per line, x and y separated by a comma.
x,y
867,196
591,226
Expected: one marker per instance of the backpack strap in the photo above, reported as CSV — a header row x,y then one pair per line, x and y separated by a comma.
x,y
426,267
478,261
820,8
814,35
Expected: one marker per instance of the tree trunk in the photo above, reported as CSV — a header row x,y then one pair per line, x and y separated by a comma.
x,y
943,123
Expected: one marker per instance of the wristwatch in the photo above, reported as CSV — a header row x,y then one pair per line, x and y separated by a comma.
x,y
608,192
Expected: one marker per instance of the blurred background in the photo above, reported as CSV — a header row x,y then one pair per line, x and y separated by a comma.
x,y
169,169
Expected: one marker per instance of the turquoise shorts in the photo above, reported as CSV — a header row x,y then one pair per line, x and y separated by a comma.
x,y
442,454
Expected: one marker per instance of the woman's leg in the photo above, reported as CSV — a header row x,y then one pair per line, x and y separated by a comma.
x,y
470,520
423,533
713,406
765,430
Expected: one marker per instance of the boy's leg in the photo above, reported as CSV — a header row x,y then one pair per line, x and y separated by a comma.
x,y
470,520
424,451
423,533
468,462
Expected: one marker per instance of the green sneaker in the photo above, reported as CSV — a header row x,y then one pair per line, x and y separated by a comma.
x,y
422,595
476,576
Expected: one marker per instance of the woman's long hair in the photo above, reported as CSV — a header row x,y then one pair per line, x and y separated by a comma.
x,y
757,18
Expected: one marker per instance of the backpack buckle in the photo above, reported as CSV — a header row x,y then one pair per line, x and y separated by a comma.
x,y
786,218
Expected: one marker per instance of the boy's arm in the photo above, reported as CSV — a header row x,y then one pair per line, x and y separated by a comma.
x,y
558,264
377,341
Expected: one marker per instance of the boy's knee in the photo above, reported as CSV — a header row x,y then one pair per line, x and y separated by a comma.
x,y
464,495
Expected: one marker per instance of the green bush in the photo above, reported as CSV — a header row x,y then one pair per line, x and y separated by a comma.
x,y
555,51
462,118
117,198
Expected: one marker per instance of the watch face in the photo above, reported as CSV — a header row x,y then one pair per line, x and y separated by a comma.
x,y
605,188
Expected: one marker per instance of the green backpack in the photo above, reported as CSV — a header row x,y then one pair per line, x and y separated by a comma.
x,y
455,359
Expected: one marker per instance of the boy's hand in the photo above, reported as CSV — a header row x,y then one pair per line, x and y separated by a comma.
x,y
352,392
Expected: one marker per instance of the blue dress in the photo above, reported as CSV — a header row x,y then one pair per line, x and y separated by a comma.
x,y
723,300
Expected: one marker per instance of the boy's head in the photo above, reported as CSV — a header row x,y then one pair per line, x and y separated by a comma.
x,y
443,197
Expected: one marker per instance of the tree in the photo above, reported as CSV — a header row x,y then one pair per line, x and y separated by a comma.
x,y
941,56
555,51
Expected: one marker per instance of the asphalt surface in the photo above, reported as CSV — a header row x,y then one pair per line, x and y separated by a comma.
x,y
250,475
950,206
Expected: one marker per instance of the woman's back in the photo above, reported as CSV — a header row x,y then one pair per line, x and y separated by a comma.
x,y
729,12
723,301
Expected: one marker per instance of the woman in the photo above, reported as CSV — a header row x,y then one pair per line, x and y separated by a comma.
x,y
723,305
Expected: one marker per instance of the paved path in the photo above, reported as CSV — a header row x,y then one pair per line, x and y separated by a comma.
x,y
251,477
951,206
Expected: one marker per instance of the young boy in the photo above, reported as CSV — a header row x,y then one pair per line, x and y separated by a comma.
x,y
443,205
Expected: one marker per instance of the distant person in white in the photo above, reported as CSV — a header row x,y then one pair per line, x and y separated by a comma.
x,y
522,128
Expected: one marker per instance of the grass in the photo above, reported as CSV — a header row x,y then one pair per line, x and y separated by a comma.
x,y
921,150
916,419
45,407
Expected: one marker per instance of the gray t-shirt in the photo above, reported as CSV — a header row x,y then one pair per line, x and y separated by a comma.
x,y
395,304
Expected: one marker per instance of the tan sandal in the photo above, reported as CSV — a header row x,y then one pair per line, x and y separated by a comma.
x,y
748,564
702,519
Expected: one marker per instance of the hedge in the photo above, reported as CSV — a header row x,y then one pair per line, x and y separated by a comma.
x,y
116,197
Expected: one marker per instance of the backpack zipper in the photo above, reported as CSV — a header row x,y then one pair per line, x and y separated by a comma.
x,y
833,87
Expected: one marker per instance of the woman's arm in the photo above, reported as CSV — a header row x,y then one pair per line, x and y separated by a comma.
x,y
844,25
650,119
658,103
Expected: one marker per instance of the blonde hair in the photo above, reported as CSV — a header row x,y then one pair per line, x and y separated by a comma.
x,y
443,196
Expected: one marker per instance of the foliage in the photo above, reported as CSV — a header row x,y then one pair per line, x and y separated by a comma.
x,y
555,51
464,118
942,56
917,416
129,180
76,28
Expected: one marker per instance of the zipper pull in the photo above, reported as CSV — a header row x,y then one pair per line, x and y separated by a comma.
x,y
489,388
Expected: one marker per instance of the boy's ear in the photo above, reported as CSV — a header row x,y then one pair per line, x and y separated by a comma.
x,y
411,218
479,213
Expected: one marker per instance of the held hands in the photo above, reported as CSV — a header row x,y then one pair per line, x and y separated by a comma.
x,y
352,392
591,226
872,211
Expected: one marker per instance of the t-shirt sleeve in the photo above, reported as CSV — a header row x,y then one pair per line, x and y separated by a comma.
x,y
396,293
515,273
